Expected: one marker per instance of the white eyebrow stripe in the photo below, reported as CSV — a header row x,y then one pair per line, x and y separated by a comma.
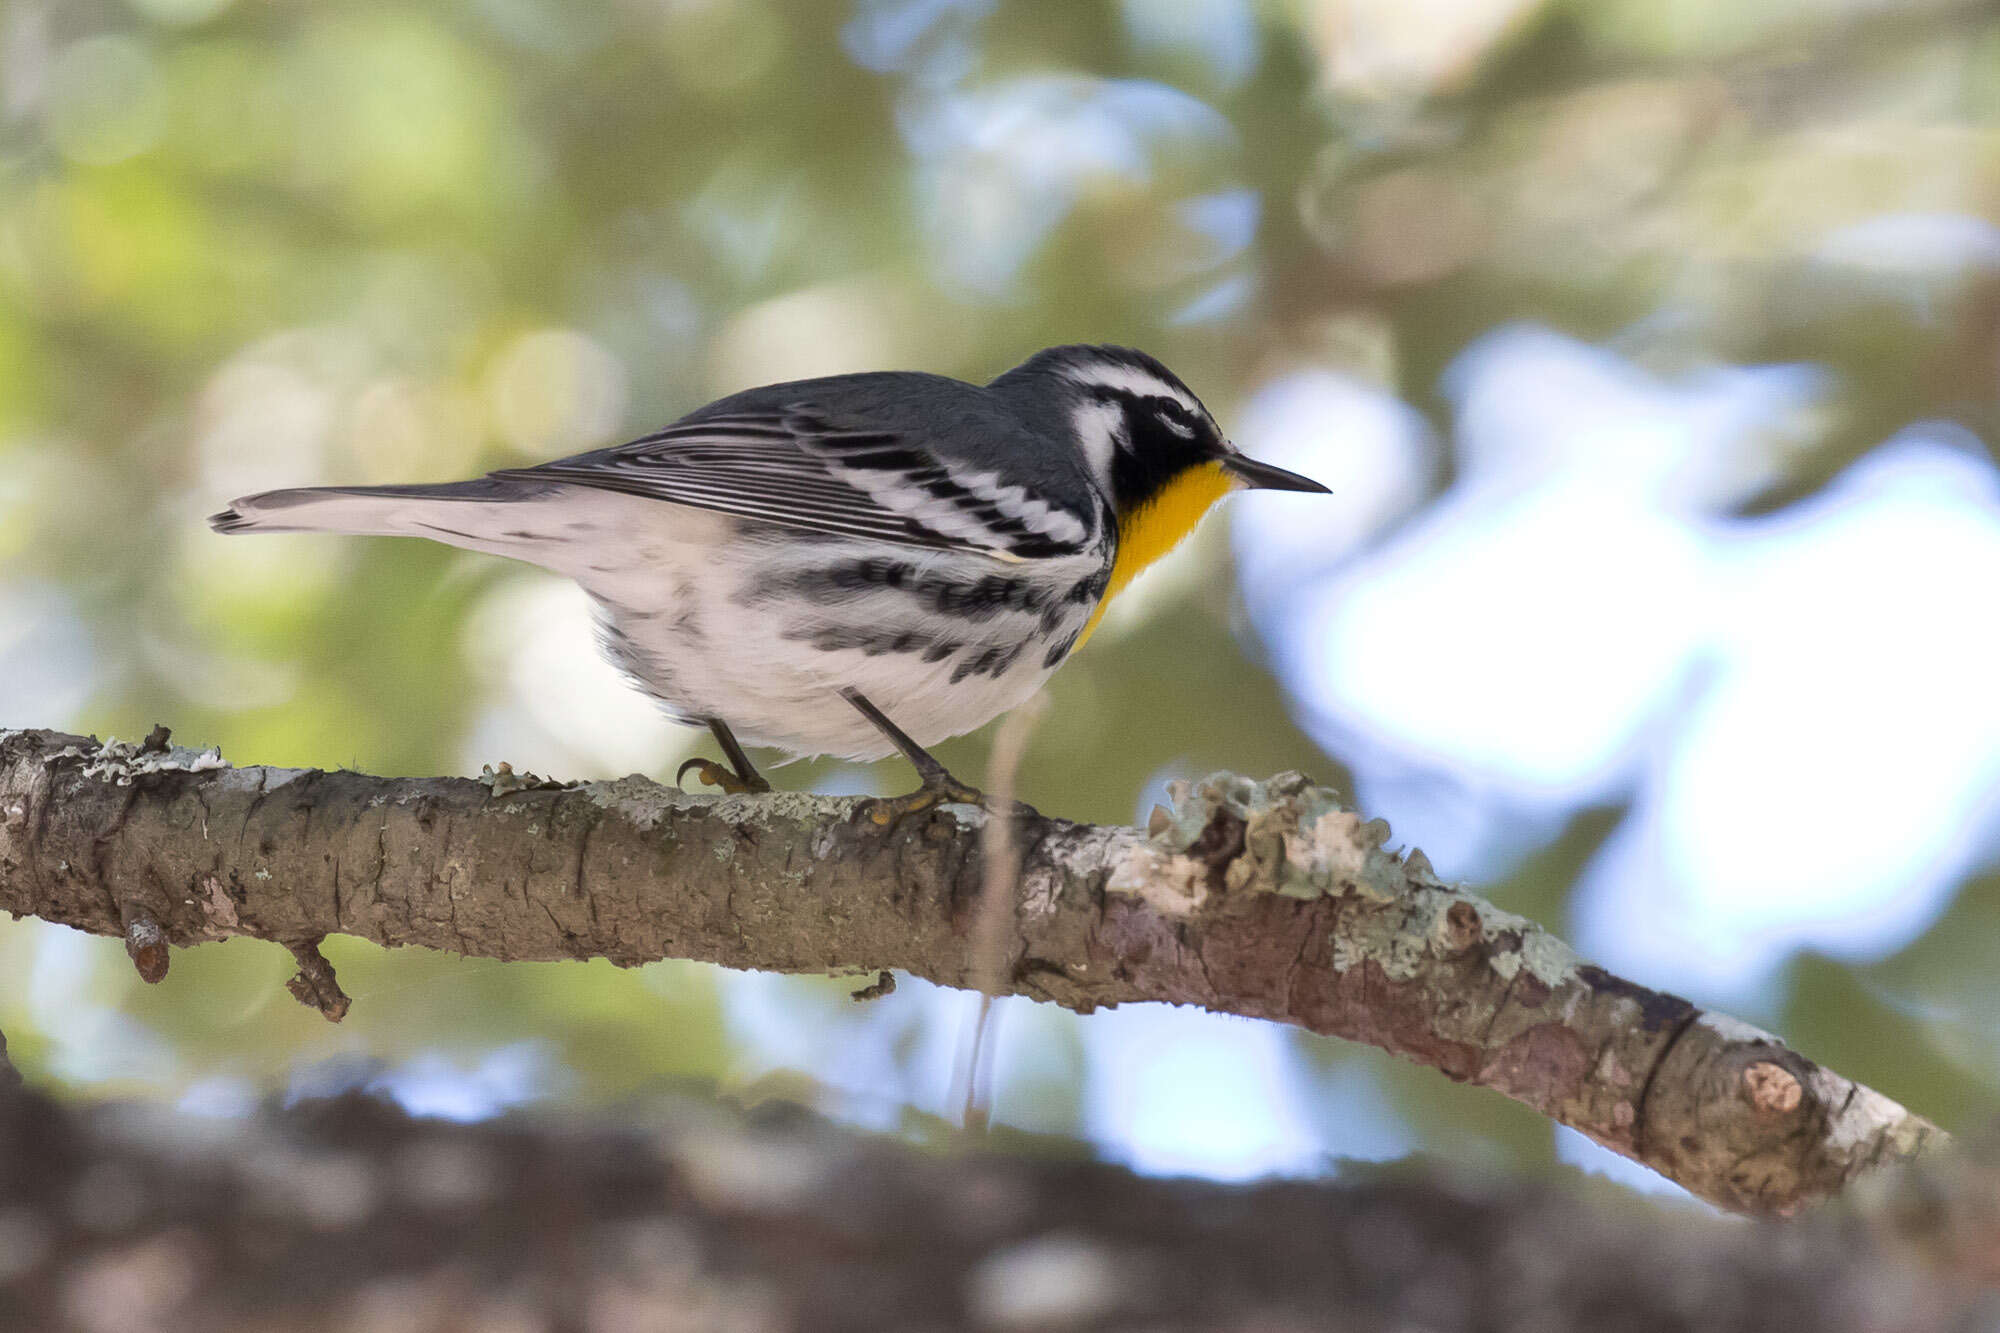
x,y
1131,379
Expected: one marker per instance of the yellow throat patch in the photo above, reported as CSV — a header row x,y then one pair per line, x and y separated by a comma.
x,y
1157,527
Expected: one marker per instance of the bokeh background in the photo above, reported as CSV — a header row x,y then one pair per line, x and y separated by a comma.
x,y
1651,351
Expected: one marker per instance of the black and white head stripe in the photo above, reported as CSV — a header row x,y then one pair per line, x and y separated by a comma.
x,y
1125,371
796,469
1118,386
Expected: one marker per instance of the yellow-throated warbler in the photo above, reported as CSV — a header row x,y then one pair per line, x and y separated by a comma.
x,y
900,538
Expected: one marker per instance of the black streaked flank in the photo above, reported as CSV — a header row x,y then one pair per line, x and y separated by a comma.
x,y
993,662
965,599
873,642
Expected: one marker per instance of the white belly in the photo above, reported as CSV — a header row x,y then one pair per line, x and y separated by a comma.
x,y
717,622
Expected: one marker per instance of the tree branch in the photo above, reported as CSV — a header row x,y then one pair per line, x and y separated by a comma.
x,y
1269,900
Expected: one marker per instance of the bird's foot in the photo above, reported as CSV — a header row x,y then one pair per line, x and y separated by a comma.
x,y
711,774
941,788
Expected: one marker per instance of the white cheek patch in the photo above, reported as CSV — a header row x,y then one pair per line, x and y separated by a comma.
x,y
1100,429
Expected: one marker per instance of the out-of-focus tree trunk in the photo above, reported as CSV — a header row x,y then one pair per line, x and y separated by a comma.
x,y
347,1215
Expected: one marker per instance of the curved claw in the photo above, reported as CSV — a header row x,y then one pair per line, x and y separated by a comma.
x,y
944,790
711,774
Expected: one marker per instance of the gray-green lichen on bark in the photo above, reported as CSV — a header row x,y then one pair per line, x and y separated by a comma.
x,y
1268,899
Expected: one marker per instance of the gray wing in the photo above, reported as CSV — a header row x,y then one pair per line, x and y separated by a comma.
x,y
793,467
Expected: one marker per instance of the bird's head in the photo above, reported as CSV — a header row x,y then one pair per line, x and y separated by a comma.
x,y
1151,449
1146,440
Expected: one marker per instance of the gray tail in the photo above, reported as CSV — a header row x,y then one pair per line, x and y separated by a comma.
x,y
454,513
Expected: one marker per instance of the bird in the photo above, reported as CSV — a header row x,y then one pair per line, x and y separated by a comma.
x,y
847,566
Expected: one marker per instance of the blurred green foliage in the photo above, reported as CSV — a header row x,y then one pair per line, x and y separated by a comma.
x,y
248,244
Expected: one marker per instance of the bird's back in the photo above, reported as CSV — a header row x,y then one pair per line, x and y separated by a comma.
x,y
963,425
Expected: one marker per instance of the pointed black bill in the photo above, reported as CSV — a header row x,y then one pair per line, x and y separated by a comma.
x,y
1264,477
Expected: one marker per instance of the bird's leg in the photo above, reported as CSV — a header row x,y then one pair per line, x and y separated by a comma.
x,y
743,780
938,785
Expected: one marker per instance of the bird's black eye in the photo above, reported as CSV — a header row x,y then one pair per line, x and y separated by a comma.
x,y
1177,416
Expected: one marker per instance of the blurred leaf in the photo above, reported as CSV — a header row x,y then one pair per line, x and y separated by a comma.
x,y
1835,1017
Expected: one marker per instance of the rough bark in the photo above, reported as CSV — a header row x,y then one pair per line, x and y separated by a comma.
x,y
1264,899
347,1215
